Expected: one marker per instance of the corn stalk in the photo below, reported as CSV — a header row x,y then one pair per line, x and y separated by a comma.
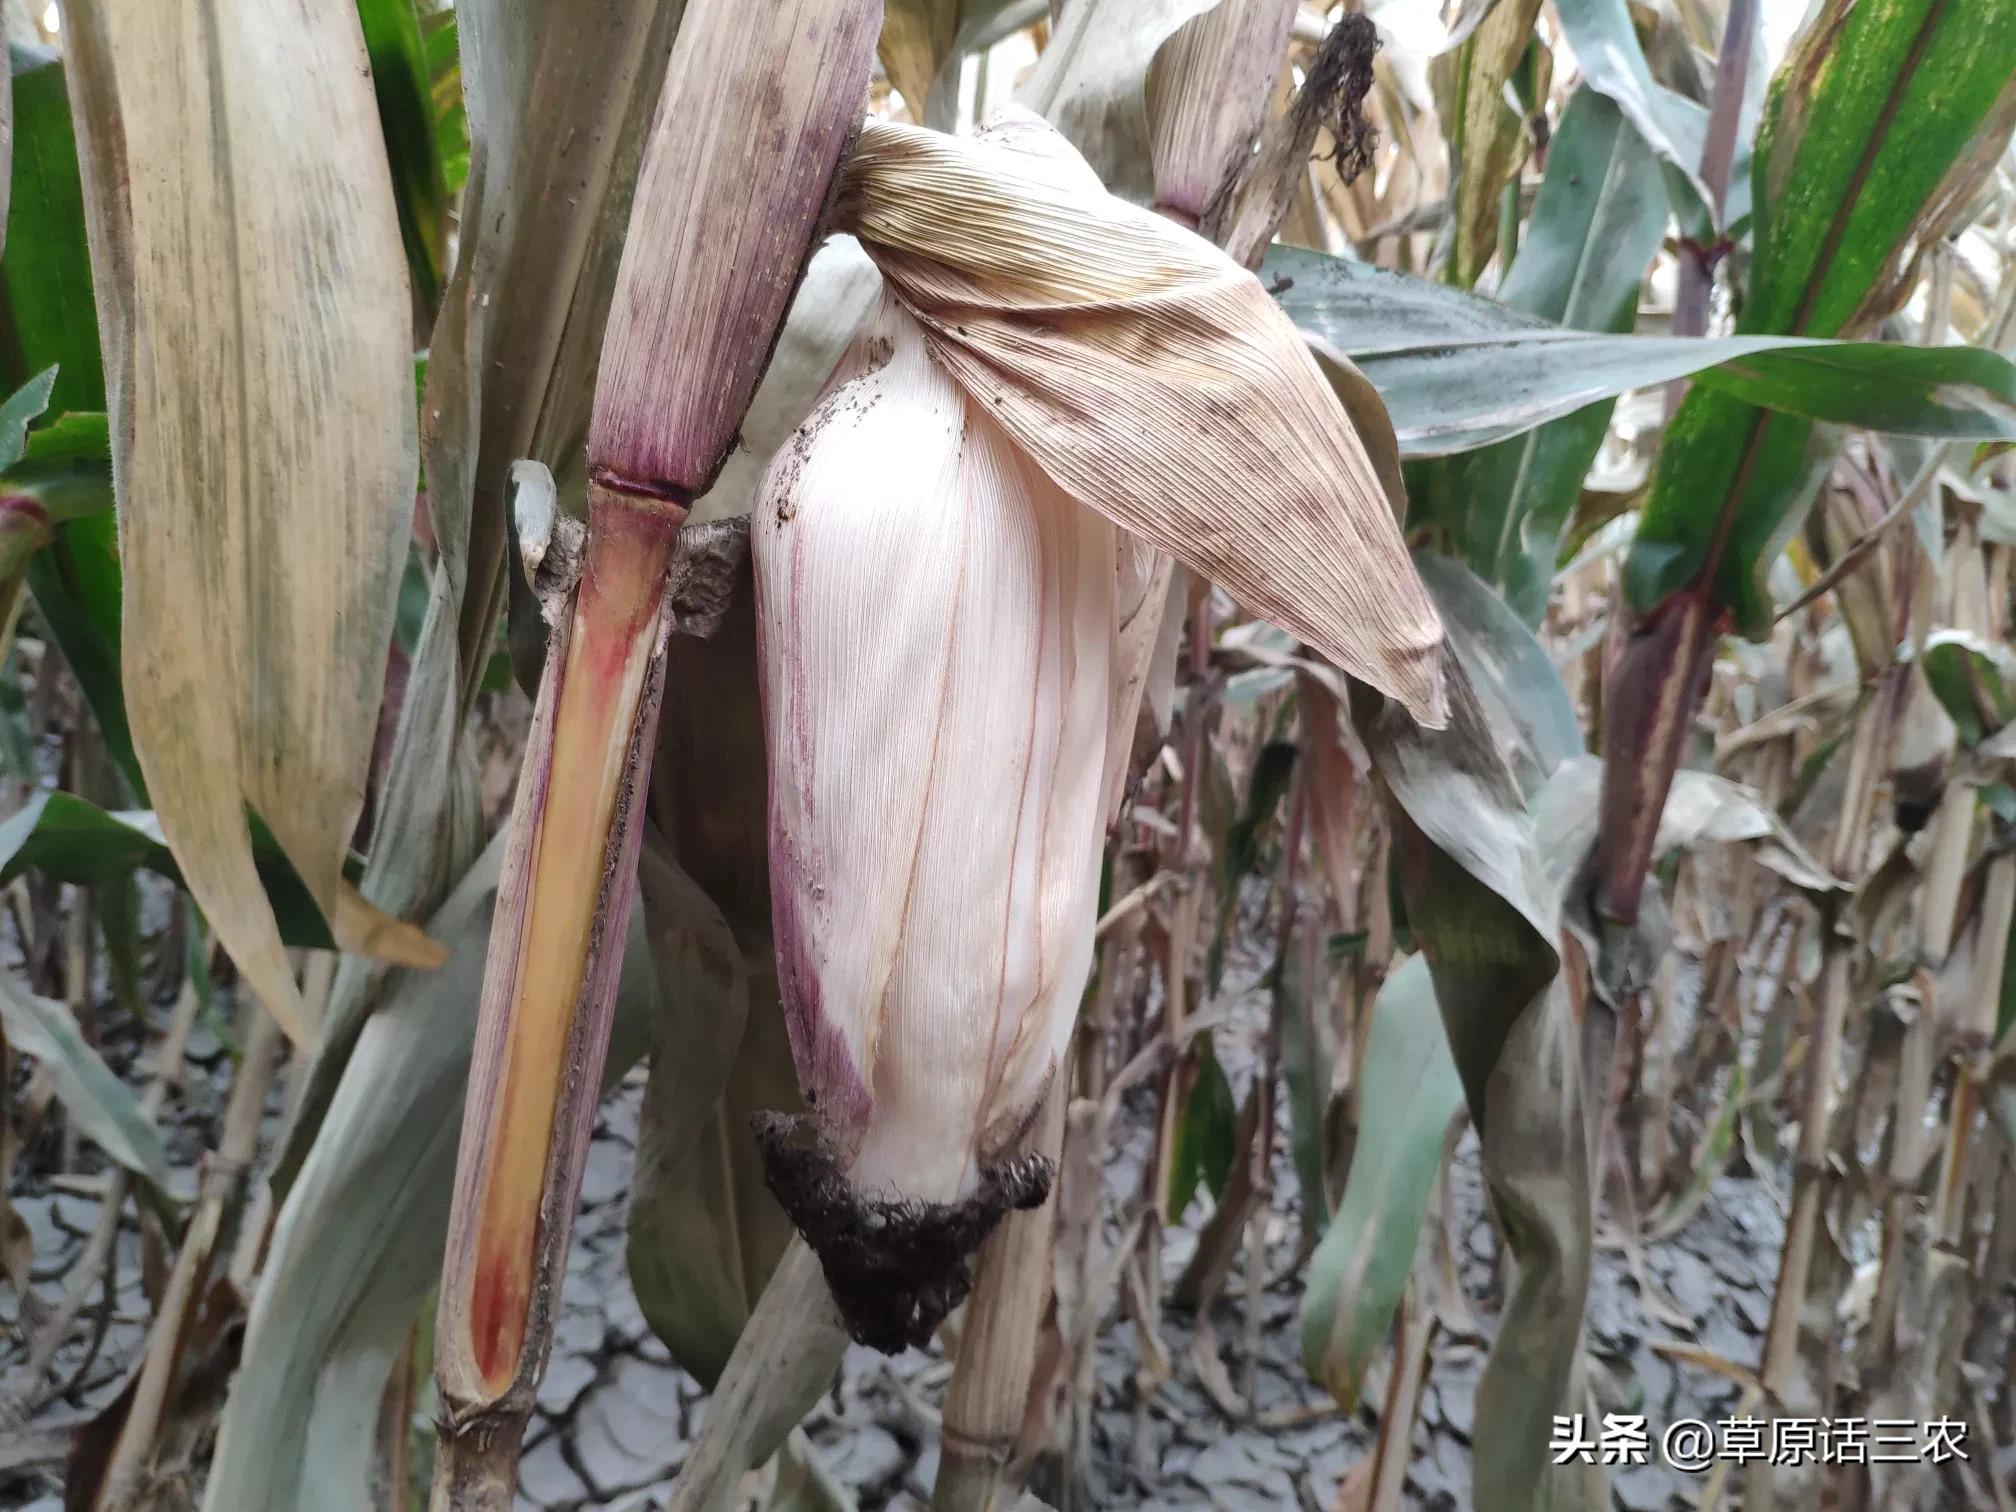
x,y
720,229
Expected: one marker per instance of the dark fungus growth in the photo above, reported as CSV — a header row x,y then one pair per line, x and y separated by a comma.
x,y
895,1268
1336,89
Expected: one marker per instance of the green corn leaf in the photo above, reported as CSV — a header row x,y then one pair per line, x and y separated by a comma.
x,y
1459,371
72,840
1236,849
356,1247
402,76
75,583
1410,1093
1974,681
705,1232
1593,232
1486,918
1909,103
47,318
104,1108
1606,45
440,32
1207,1132
1305,990
19,411
1514,675
66,463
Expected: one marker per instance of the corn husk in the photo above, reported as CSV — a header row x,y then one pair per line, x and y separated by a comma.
x,y
937,622
1152,379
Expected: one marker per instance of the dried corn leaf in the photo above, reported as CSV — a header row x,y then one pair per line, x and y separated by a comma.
x,y
1484,131
246,247
916,38
1207,95
1149,607
1091,82
553,122
1152,378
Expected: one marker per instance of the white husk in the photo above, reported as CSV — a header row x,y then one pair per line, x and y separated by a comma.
x,y
955,624
937,622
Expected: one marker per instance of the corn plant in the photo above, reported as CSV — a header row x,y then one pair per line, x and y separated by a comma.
x,y
1107,657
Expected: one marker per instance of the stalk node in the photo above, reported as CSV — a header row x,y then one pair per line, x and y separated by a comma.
x,y
606,483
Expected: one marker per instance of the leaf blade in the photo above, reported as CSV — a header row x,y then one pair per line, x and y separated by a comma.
x,y
1458,371
262,410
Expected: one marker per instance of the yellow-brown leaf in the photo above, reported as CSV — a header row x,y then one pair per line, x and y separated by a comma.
x,y
246,251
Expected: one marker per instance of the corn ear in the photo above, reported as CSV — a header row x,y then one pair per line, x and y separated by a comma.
x,y
253,309
1153,379
936,621
721,226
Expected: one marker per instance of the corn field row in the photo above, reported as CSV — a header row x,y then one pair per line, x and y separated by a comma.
x,y
1116,659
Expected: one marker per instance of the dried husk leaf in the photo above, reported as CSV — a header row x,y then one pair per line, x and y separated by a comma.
x,y
245,246
702,289
924,589
1153,379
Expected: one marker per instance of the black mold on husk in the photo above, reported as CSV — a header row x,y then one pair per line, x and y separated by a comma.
x,y
896,1268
